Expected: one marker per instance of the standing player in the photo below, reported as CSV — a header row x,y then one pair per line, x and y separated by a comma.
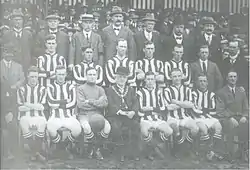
x,y
31,99
149,63
62,101
49,61
177,62
178,102
120,60
152,113
91,100
205,116
79,71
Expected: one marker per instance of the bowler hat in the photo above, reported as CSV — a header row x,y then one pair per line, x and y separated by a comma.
x,y
149,17
116,10
53,16
208,20
16,13
179,20
122,71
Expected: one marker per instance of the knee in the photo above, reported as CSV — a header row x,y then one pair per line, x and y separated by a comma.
x,y
202,128
86,127
24,123
167,129
194,129
107,127
217,127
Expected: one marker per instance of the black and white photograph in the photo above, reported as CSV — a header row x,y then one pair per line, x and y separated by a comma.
x,y
124,84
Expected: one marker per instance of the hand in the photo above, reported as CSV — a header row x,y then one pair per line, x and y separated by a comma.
x,y
55,106
53,76
173,101
24,109
9,117
234,122
91,101
146,109
122,113
13,87
243,120
71,67
140,76
130,114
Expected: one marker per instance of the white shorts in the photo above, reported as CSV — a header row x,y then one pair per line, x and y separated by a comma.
x,y
209,122
180,122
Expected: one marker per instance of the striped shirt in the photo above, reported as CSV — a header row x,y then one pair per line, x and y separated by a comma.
x,y
150,65
182,94
63,97
204,101
79,73
152,99
114,63
47,65
33,95
183,66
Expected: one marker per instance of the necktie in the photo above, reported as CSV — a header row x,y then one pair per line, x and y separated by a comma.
x,y
233,92
209,40
178,38
8,70
87,36
204,68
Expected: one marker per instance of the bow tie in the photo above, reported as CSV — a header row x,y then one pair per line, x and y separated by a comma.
x,y
116,29
178,38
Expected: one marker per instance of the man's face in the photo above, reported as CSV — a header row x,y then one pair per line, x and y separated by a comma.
x,y
7,55
178,29
202,83
122,48
176,77
204,53
18,22
33,78
61,75
150,81
233,48
87,25
232,78
177,53
108,16
121,79
149,25
53,23
117,19
88,54
91,76
51,45
149,50
209,28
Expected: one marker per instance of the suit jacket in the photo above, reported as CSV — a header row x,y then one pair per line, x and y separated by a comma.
x,y
140,40
116,103
110,40
62,43
215,80
23,46
227,105
169,42
79,41
213,47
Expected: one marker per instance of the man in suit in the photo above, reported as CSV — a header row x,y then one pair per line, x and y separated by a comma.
x,y
22,38
149,34
209,37
178,37
209,68
233,109
122,112
62,38
12,77
116,31
86,38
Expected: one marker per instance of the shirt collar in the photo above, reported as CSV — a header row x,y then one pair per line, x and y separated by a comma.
x,y
117,27
53,31
235,56
7,63
85,32
206,35
231,88
201,61
18,30
178,36
146,32
119,58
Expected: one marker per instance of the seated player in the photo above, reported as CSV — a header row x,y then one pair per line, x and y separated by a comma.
x,y
79,71
31,99
49,61
205,116
149,63
178,100
91,100
122,113
62,101
233,108
177,62
152,113
120,60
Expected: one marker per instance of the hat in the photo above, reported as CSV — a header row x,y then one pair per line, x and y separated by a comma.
x,y
134,17
83,48
96,14
149,17
208,20
9,47
16,13
179,20
122,71
53,16
87,17
116,10
70,28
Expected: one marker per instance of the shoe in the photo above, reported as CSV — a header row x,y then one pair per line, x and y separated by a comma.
x,y
40,157
159,153
91,153
210,155
99,154
150,157
137,159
